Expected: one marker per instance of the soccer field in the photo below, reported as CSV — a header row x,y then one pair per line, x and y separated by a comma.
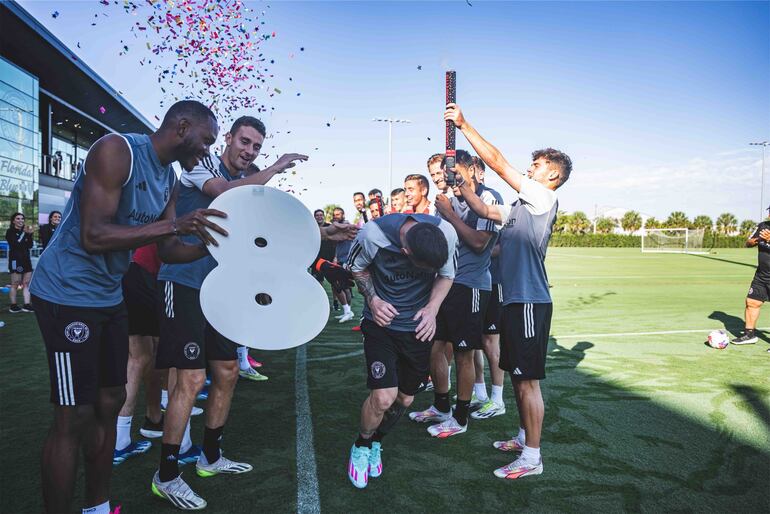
x,y
640,414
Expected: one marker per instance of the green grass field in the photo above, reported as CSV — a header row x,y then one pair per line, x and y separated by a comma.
x,y
640,414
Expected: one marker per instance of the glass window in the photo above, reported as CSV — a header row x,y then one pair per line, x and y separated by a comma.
x,y
17,134
17,78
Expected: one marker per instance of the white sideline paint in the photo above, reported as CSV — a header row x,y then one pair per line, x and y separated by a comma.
x,y
308,500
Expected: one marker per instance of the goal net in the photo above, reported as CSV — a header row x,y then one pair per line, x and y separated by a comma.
x,y
673,240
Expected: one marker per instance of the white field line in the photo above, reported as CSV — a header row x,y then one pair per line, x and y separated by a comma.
x,y
335,357
308,500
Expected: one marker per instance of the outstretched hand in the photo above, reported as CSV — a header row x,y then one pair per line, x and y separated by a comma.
x,y
454,114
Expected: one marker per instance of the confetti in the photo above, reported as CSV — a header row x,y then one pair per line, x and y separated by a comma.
x,y
102,109
419,68
55,14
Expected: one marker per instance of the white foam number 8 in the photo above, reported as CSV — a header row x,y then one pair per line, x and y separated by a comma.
x,y
260,294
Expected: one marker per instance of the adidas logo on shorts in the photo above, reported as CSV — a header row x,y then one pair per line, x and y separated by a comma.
x,y
517,371
492,327
462,345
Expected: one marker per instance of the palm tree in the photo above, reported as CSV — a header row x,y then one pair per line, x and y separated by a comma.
x,y
677,219
579,223
703,221
631,221
652,223
727,223
605,225
747,228
562,222
329,211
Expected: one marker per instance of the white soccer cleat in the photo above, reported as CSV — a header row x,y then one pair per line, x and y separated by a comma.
x,y
222,466
519,468
178,493
430,415
448,428
489,410
347,317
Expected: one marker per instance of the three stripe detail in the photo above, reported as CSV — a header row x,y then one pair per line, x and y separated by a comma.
x,y
64,378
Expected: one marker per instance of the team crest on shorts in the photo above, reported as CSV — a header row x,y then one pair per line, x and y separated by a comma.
x,y
192,350
751,290
77,332
19,269
378,370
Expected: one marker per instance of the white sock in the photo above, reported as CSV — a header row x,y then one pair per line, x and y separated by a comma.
x,y
481,391
531,455
449,378
104,508
522,435
243,358
186,441
497,394
123,438
346,309
163,398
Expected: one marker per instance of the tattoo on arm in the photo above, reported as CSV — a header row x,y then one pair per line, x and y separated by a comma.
x,y
365,285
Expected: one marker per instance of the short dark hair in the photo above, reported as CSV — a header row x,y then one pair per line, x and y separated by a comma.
x,y
17,214
319,210
52,213
339,209
428,245
249,121
358,193
397,191
479,163
436,157
560,159
375,192
461,157
192,109
420,178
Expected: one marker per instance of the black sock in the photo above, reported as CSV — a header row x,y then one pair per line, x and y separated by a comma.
x,y
363,442
211,439
749,332
169,462
441,401
461,411
377,436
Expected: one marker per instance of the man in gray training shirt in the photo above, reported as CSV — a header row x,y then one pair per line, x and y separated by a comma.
x,y
403,265
527,308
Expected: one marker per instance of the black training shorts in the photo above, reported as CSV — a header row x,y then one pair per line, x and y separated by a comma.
x,y
187,340
87,349
759,290
460,318
394,359
524,339
139,293
493,311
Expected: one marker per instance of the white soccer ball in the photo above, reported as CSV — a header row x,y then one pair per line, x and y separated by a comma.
x,y
718,339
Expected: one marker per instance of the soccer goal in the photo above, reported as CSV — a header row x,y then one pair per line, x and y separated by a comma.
x,y
673,240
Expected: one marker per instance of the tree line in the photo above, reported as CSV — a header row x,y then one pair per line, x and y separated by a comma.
x,y
579,223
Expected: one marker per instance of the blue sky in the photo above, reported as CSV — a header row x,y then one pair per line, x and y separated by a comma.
x,y
655,102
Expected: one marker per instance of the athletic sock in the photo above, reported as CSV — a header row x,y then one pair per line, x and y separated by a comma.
x,y
449,377
522,436
377,436
123,436
186,441
749,332
104,508
363,442
461,411
243,358
530,455
441,402
481,391
211,439
164,398
497,394
346,309
169,462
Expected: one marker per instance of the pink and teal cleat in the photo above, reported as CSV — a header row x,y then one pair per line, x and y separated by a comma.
x,y
358,466
512,445
519,468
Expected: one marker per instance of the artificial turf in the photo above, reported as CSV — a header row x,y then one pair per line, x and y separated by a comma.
x,y
655,422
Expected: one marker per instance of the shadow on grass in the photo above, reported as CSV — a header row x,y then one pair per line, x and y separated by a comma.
x,y
735,325
739,263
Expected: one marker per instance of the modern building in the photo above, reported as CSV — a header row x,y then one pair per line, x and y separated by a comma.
x,y
53,107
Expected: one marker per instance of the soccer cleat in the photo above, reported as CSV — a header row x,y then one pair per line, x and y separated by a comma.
x,y
489,410
519,468
222,466
430,415
511,445
474,405
357,328
13,309
253,363
448,428
358,466
152,430
132,450
745,339
202,396
252,374
178,493
27,308
191,456
347,317
375,460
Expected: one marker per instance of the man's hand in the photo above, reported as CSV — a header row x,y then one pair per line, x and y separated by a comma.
x,y
444,206
464,190
764,234
287,161
455,115
344,231
426,329
28,229
195,223
382,312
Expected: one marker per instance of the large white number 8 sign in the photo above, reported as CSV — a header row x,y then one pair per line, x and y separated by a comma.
x,y
260,294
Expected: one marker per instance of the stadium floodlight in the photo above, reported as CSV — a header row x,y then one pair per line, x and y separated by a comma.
x,y
672,240
762,205
390,123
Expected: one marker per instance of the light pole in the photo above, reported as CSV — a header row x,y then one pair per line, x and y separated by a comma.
x,y
390,123
762,206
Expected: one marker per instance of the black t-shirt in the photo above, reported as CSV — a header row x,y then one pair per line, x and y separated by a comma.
x,y
328,248
763,258
19,243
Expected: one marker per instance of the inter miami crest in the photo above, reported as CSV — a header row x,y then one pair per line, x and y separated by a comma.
x,y
378,370
77,332
192,350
